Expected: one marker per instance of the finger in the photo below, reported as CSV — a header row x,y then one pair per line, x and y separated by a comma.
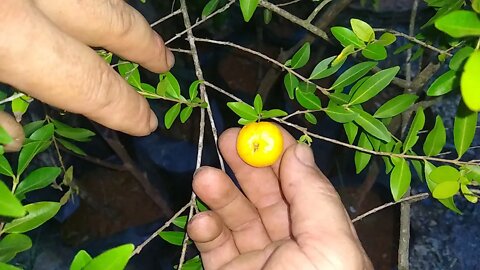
x,y
217,190
260,185
113,25
14,129
213,239
66,74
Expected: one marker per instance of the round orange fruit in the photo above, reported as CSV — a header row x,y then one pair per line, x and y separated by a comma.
x,y
260,144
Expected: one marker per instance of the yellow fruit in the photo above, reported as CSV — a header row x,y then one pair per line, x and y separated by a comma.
x,y
260,144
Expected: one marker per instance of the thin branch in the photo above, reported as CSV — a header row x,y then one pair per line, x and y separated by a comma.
x,y
409,199
11,98
180,51
317,10
288,3
301,112
178,11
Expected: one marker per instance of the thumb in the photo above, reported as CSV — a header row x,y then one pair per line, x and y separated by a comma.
x,y
315,206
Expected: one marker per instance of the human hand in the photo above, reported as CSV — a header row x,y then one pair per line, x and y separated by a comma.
x,y
44,52
290,217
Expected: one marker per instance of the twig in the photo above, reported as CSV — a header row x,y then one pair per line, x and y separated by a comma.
x,y
180,50
317,10
178,11
288,3
300,112
409,199
11,98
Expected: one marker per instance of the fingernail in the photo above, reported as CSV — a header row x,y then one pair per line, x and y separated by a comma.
x,y
170,58
153,121
304,155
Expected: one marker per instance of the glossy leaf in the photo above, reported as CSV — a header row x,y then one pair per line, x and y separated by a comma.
x,y
340,114
112,259
20,106
417,165
459,23
28,152
446,189
374,85
320,68
258,104
38,213
308,100
243,110
346,37
375,51
310,118
459,57
173,237
76,134
417,125
363,30
339,98
436,139
37,179
12,244
400,179
168,86
273,113
351,129
372,125
403,48
9,205
185,114
291,82
301,57
5,167
362,159
4,266
476,5
72,147
248,7
180,222
449,202
395,106
210,7
444,173
386,39
442,84
129,72
353,74
469,82
44,133
464,128
193,264
193,89
81,259
172,114
468,194
32,127
356,86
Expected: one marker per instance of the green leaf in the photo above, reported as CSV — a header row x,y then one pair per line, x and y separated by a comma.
x,y
339,114
403,48
76,134
168,86
459,57
4,266
72,147
20,106
346,37
193,89
320,68
28,152
362,159
353,74
436,139
469,82
307,87
38,213
449,6
248,7
291,82
311,118
356,86
418,53
372,125
81,260
267,16
5,167
395,106
210,7
351,130
363,30
5,138
193,264
468,194
459,23
12,244
442,84
244,122
375,51
308,100
476,5
37,179
464,128
180,222
444,173
202,207
449,202
32,127
258,104
301,57
9,205
129,72
446,190
417,165
172,114
112,259
243,110
145,87
400,179
185,114
339,98
44,133
374,85
417,125
386,39
343,54
172,237
273,113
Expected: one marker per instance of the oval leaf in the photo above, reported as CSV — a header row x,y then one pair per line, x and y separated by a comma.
x,y
444,173
351,130
9,205
464,128
363,30
273,113
291,82
209,8
339,113
172,114
37,179
243,110
374,85
301,57
400,179
417,125
320,68
5,167
372,125
459,23
436,139
81,260
386,39
362,159
459,57
346,37
248,7
469,82
308,100
185,114
375,52
442,84
395,106
172,237
38,213
353,74
446,189
112,259
12,244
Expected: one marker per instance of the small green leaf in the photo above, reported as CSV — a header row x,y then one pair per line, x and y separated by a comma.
x,y
356,86
147,88
28,152
343,55
442,84
32,127
444,173
449,202
395,106
464,128
459,57
320,68
5,138
363,30
372,125
185,114
172,237
291,83
446,190
243,110
469,82
248,7
244,122
308,100
112,259
76,134
273,113
172,114
210,7
5,167
9,205
129,72
20,106
12,244
38,213
44,133
351,130
417,125
339,98
374,85
346,37
468,194
258,104
417,165
193,89
362,159
311,118
72,147
4,266
180,222
193,264
403,48
168,86
267,16
81,260
386,39
375,51
459,23
339,114
301,57
353,74
202,207
476,5
400,179
436,139
37,179
418,53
